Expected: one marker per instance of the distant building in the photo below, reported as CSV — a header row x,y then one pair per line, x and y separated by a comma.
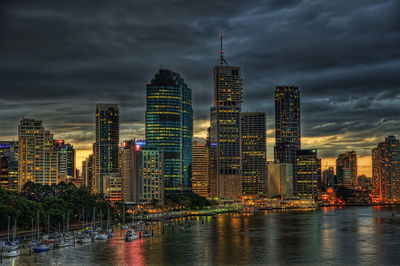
x,y
328,177
169,126
386,171
130,163
254,154
88,172
112,187
66,163
346,169
200,168
280,180
225,134
107,141
152,174
287,127
9,165
307,174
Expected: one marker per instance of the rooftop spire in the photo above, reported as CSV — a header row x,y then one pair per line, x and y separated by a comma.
x,y
222,59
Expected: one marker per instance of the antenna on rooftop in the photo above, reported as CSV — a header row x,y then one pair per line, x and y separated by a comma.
x,y
222,59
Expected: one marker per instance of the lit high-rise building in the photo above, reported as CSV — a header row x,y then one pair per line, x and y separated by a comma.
x,y
66,162
31,152
346,169
254,154
88,172
152,174
287,127
225,133
386,171
130,163
169,126
307,174
107,141
200,168
9,164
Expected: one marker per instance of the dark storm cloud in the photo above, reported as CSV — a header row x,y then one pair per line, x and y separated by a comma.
x,y
58,58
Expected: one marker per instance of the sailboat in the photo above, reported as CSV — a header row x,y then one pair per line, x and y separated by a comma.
x,y
39,247
11,248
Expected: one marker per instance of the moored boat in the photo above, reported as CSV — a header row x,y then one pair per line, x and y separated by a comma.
x,y
11,253
40,248
130,235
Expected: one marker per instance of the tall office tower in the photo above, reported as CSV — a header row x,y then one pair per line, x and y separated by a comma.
x,y
169,126
130,158
225,131
346,169
66,162
254,155
31,158
200,168
9,164
287,127
280,180
328,177
152,174
107,140
386,171
307,174
212,166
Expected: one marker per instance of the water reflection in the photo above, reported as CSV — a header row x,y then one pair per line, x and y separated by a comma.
x,y
355,236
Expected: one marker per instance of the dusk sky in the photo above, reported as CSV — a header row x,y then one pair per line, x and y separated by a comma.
x,y
59,59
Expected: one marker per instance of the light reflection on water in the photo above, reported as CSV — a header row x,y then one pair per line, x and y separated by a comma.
x,y
356,236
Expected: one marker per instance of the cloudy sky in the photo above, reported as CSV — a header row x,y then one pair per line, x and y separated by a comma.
x,y
59,59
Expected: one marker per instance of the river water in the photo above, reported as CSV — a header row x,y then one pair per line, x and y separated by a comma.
x,y
329,236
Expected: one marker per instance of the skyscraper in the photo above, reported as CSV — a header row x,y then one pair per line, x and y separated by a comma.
x,y
31,152
254,154
386,171
152,174
328,177
307,174
346,169
225,132
200,168
130,163
107,140
287,127
66,162
169,126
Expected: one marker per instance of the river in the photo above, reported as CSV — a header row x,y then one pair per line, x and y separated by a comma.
x,y
328,236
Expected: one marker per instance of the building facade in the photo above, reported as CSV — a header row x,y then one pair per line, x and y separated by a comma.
x,y
328,177
169,126
200,168
307,174
386,171
346,169
287,127
152,174
106,145
9,165
66,162
280,180
254,155
225,134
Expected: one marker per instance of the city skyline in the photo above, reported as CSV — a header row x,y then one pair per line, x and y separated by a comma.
x,y
347,70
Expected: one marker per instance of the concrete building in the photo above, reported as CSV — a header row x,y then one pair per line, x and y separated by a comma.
x,y
66,162
200,168
346,169
152,174
280,180
254,155
328,177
